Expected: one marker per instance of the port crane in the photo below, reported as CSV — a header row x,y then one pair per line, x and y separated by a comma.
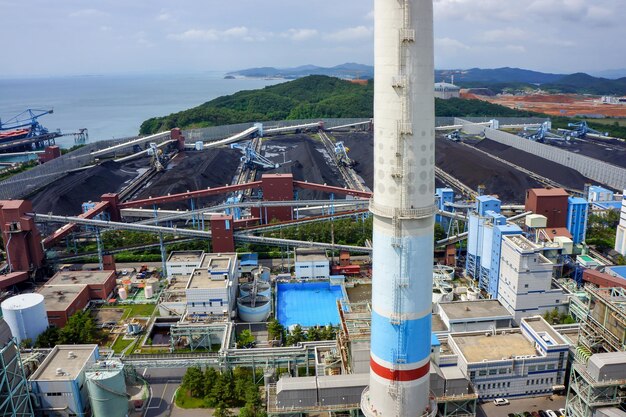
x,y
341,154
28,119
252,158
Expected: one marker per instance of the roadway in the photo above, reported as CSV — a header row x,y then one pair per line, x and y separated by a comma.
x,y
163,386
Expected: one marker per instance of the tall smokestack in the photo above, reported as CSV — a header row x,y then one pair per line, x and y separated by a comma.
x,y
403,209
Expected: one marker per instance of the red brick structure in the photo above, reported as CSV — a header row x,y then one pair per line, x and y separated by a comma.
x,y
549,202
50,153
177,135
602,279
108,263
222,238
20,235
275,187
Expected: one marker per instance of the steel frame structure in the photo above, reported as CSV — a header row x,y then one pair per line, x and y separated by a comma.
x,y
15,400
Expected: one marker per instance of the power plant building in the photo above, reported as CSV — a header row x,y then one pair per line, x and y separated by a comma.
x,y
525,363
525,286
312,264
59,384
212,287
182,264
577,214
446,91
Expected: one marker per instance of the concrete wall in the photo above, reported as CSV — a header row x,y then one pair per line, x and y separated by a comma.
x,y
603,172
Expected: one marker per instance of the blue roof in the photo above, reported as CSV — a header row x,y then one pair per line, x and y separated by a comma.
x,y
608,205
484,198
619,270
577,200
433,340
597,189
249,259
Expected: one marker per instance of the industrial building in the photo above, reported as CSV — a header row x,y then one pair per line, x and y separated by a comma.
x,y
597,385
15,399
514,363
70,291
212,287
446,91
59,384
311,264
526,287
549,202
620,237
480,315
577,216
182,264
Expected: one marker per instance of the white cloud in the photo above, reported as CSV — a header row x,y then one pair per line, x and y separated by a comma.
x,y
163,17
449,43
504,35
86,13
370,15
356,33
300,34
214,35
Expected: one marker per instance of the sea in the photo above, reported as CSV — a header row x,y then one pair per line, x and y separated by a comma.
x,y
114,106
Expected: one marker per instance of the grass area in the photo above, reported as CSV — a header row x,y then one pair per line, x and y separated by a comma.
x,y
185,400
121,344
619,121
17,169
140,310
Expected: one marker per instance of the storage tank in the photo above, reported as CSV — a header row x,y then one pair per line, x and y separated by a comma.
x,y
26,316
148,291
254,309
122,293
199,145
154,283
106,385
262,288
261,273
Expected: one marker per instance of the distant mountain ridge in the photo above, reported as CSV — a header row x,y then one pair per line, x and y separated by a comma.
x,y
348,70
473,77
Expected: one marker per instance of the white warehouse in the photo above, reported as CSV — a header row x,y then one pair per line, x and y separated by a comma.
x,y
529,363
58,385
525,284
212,287
312,264
182,263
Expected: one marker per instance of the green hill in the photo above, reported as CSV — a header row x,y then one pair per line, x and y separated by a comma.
x,y
311,97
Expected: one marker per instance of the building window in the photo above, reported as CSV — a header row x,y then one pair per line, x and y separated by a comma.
x,y
482,373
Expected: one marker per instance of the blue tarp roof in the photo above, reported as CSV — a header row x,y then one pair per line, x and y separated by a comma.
x,y
249,259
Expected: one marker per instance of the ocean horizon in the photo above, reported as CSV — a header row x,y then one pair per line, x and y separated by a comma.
x,y
114,106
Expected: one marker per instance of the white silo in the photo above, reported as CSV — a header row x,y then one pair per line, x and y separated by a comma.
x,y
26,316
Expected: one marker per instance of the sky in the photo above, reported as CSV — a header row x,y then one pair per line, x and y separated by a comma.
x,y
71,37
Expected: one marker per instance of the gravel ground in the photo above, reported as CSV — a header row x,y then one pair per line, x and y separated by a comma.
x,y
309,162
194,171
557,172
66,195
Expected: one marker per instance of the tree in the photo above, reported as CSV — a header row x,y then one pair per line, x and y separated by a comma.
x,y
275,329
193,381
296,335
314,334
49,338
222,411
328,332
245,339
440,233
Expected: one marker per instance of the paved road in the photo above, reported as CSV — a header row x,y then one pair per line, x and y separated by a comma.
x,y
163,385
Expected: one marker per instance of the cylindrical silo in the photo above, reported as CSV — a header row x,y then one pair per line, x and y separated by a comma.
x,y
26,316
106,385
404,207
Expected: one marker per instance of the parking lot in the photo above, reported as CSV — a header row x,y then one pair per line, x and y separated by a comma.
x,y
489,409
